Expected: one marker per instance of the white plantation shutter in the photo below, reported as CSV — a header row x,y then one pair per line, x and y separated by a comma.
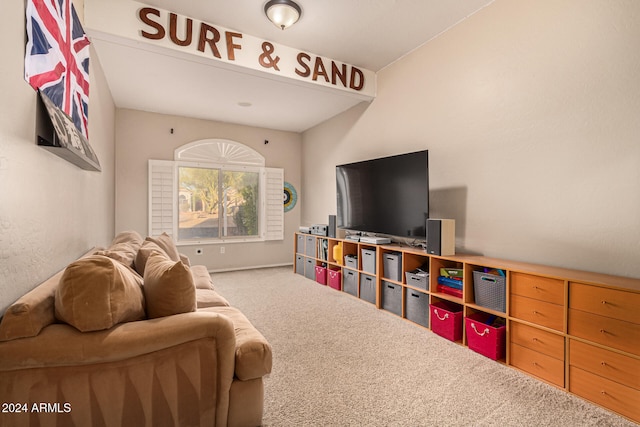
x,y
162,197
273,211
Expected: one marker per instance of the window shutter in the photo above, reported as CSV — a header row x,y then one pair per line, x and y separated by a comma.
x,y
273,204
162,197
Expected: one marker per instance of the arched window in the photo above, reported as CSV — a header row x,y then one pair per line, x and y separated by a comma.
x,y
216,190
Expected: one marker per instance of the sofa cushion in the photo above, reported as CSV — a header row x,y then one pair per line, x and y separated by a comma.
x,y
124,247
201,277
30,313
123,252
98,292
253,352
143,255
209,298
131,237
166,244
168,287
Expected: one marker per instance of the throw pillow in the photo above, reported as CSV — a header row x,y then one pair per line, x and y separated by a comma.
x,y
166,244
143,255
98,292
168,287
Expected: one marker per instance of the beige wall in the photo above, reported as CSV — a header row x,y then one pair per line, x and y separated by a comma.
x,y
50,210
142,136
530,111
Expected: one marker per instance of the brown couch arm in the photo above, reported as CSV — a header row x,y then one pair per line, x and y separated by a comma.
x,y
63,345
253,352
175,370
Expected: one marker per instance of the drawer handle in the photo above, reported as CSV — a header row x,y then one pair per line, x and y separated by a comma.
x,y
604,302
535,339
446,315
535,312
602,331
603,363
486,330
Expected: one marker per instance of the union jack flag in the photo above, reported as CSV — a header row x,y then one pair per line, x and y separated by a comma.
x,y
57,57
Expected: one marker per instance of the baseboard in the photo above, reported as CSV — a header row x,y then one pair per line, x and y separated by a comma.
x,y
255,267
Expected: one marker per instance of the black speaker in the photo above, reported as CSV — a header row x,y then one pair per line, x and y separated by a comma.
x,y
332,226
433,236
441,237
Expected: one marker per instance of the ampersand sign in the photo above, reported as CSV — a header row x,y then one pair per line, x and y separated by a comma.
x,y
266,60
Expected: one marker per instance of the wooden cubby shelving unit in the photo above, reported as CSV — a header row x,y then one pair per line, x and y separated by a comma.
x,y
576,330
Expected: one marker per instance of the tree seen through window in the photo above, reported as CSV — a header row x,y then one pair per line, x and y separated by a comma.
x,y
216,203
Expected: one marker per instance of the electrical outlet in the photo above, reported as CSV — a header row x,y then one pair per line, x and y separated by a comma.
x,y
222,249
199,251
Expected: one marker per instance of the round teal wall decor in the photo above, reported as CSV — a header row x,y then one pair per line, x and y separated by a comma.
x,y
290,197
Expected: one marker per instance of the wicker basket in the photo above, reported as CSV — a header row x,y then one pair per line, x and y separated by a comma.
x,y
490,291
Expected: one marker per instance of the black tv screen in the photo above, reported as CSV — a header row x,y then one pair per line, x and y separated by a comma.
x,y
389,195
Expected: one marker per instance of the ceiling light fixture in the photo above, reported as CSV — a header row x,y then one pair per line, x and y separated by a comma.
x,y
283,13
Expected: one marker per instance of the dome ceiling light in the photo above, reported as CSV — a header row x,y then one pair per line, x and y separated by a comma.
x,y
283,13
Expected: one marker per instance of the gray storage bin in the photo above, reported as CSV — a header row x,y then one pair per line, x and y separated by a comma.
x,y
350,281
416,307
351,261
300,264
310,268
490,291
418,279
310,246
300,244
392,266
392,297
369,261
368,288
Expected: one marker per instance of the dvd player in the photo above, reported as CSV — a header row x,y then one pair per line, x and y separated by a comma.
x,y
375,240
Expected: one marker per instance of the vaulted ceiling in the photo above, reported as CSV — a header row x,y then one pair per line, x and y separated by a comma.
x,y
368,34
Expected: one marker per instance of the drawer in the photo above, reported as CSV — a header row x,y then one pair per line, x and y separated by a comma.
x,y
613,303
539,312
537,340
617,397
617,367
610,332
538,364
538,287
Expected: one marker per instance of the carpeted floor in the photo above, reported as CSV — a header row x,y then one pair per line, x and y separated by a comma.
x,y
339,361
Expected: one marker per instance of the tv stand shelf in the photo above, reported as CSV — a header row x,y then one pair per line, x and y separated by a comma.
x,y
576,330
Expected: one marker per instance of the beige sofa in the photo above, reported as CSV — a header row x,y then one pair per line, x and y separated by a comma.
x,y
130,336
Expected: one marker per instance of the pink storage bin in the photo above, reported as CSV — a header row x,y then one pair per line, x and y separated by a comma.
x,y
483,338
335,279
321,274
446,320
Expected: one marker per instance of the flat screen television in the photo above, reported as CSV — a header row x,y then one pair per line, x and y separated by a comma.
x,y
388,195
